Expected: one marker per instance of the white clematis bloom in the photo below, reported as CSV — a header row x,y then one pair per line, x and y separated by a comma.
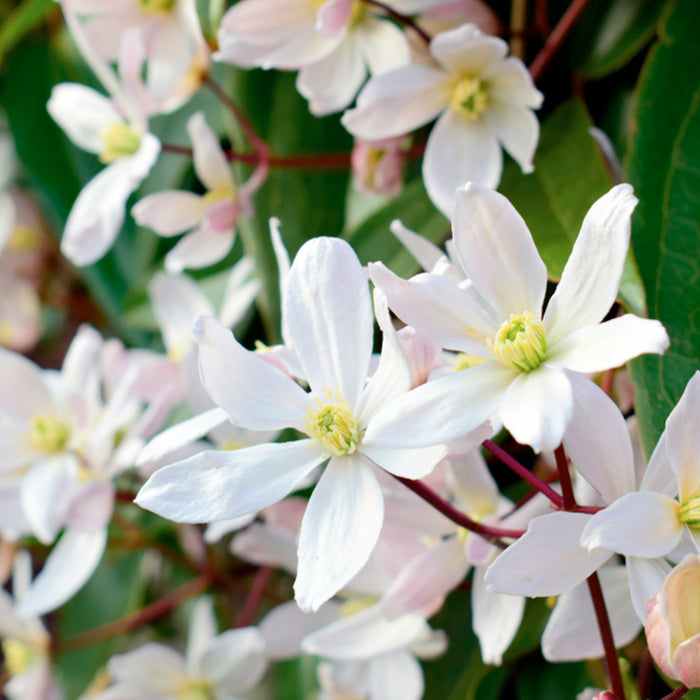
x,y
483,101
329,322
527,359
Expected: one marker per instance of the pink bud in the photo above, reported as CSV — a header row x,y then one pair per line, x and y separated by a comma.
x,y
377,166
606,695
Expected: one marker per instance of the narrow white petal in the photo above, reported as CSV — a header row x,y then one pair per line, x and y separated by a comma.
x,y
255,394
509,81
659,475
384,46
497,252
466,50
339,530
23,390
610,344
199,248
235,660
640,524
210,163
396,675
202,630
70,564
217,485
517,129
427,254
152,668
329,317
646,578
537,407
547,560
443,410
411,464
591,277
266,545
170,212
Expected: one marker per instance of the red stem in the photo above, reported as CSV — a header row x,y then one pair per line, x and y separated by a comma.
x,y
250,607
524,473
556,38
565,478
679,692
403,19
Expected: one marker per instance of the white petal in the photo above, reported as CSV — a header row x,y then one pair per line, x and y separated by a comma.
x,y
591,277
646,578
495,618
202,630
427,254
641,524
169,213
547,560
210,163
384,46
396,103
23,391
152,667
659,475
442,410
70,564
267,545
410,464
497,252
396,675
453,317
241,289
235,660
339,530
610,344
466,50
255,394
198,249
572,634
517,129
509,81
537,407
329,317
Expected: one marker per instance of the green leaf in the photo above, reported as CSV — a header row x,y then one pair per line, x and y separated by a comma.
x,y
569,177
561,681
626,27
25,17
665,170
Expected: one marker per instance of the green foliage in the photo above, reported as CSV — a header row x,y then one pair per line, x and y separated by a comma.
x,y
664,167
21,20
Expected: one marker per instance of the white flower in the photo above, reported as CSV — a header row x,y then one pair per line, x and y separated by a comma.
x,y
329,321
484,101
527,360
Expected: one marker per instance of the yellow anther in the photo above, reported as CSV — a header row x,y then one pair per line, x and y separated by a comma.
x,y
118,139
23,238
18,656
231,445
196,690
356,605
49,434
220,194
520,342
465,361
469,97
333,425
155,7
689,512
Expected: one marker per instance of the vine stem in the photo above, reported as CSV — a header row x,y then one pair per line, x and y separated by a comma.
x,y
250,607
403,19
679,692
524,473
139,618
556,38
492,534
565,478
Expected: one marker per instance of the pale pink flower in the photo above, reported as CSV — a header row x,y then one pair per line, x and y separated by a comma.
x,y
377,166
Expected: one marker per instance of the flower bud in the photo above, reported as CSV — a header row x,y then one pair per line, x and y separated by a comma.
x,y
377,166
673,623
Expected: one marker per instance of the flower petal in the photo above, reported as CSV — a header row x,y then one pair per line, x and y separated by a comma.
x,y
199,248
646,578
170,212
509,81
222,484
210,163
517,129
344,515
234,660
466,50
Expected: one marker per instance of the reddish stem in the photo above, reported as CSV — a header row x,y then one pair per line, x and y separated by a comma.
x,y
524,473
556,38
679,692
565,478
606,384
493,534
403,19
250,607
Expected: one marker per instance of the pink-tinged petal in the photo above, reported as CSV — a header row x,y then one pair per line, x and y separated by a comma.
x,y
266,545
497,252
610,344
91,506
235,660
467,51
170,55
331,83
210,163
443,410
597,441
345,514
658,633
329,317
453,317
66,570
200,248
686,661
153,668
591,277
410,464
83,114
177,436
241,289
217,485
537,408
267,23
640,524
304,49
682,440
517,129
495,618
23,391
509,81
427,254
333,17
255,394
285,626
169,213
646,578
384,46
396,103
572,633
547,560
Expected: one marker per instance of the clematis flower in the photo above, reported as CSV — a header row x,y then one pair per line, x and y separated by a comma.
x,y
484,101
330,327
525,361
673,623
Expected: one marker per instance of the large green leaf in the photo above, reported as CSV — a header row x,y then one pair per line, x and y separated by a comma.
x,y
569,176
21,20
665,170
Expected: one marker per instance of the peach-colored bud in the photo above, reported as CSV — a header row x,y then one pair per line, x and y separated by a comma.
x,y
377,166
673,623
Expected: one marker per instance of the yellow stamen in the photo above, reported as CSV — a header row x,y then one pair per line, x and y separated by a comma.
x,y
333,425
118,139
356,605
689,512
155,7
24,238
465,361
219,194
196,690
520,342
470,97
18,656
49,434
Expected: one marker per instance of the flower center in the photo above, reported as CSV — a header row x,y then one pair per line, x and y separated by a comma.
x,y
155,7
118,139
196,690
520,342
357,10
18,656
465,361
49,434
220,194
333,425
689,512
356,605
469,97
